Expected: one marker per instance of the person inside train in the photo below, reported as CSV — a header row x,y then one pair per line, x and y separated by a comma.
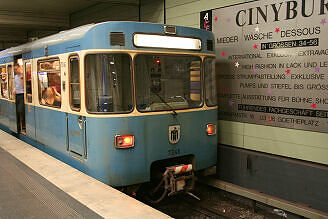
x,y
4,90
19,92
50,96
57,84
3,80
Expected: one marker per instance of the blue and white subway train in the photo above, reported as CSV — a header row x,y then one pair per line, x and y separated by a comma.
x,y
118,100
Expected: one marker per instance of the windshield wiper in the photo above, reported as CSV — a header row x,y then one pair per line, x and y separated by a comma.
x,y
174,113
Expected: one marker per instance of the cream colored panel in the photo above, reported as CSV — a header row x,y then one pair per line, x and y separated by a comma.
x,y
194,26
187,20
230,133
230,139
174,3
105,12
212,4
298,151
152,11
311,139
181,10
231,127
152,7
154,17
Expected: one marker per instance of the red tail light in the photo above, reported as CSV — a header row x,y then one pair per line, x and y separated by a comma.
x,y
211,129
124,141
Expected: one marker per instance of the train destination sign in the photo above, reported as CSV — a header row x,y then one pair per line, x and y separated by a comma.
x,y
272,62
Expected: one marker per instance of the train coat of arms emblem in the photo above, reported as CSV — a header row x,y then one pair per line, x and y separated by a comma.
x,y
174,134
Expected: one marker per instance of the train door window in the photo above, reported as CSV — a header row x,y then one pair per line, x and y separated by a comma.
x,y
11,85
210,82
4,82
28,81
74,77
108,81
49,82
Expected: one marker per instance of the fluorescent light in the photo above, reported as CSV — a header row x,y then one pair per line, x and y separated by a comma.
x,y
169,42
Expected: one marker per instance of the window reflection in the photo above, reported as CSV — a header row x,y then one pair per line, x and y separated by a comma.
x,y
49,82
166,82
210,82
108,83
4,85
28,79
75,97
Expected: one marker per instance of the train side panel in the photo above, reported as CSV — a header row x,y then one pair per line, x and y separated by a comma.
x,y
51,128
8,114
30,121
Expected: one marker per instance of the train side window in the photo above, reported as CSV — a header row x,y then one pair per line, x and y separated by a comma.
x,y
11,85
28,81
4,82
49,82
210,82
74,83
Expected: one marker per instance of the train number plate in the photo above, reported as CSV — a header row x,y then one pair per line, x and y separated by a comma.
x,y
173,151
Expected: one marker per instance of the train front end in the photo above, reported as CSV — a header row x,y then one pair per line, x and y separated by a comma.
x,y
154,108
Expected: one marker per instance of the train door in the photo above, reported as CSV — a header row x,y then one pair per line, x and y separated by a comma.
x,y
29,108
76,123
19,89
11,97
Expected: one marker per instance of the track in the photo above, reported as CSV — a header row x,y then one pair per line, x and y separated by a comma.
x,y
213,204
201,210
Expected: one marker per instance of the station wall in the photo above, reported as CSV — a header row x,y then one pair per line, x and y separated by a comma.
x,y
152,11
303,145
105,11
287,163
298,144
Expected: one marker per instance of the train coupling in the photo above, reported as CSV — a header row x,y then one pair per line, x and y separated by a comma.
x,y
181,178
175,179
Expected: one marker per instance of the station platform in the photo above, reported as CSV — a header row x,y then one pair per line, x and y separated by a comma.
x,y
36,185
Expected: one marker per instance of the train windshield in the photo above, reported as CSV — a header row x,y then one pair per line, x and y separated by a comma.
x,y
167,82
108,83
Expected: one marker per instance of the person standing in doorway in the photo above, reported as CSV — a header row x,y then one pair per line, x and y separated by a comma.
x,y
19,92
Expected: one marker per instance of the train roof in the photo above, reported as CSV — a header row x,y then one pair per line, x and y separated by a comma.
x,y
61,37
96,36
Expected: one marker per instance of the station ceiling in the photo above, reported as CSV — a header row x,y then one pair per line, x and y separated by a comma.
x,y
21,20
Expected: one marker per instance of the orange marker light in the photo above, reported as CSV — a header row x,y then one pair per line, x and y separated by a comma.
x,y
128,139
124,141
211,129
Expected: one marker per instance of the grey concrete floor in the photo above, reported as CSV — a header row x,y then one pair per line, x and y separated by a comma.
x,y
26,194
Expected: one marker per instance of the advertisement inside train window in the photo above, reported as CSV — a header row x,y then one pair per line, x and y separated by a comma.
x,y
272,62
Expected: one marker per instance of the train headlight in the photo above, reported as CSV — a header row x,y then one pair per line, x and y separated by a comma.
x,y
124,141
211,129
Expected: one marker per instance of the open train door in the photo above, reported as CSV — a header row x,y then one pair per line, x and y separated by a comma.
x,y
28,100
11,107
76,123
